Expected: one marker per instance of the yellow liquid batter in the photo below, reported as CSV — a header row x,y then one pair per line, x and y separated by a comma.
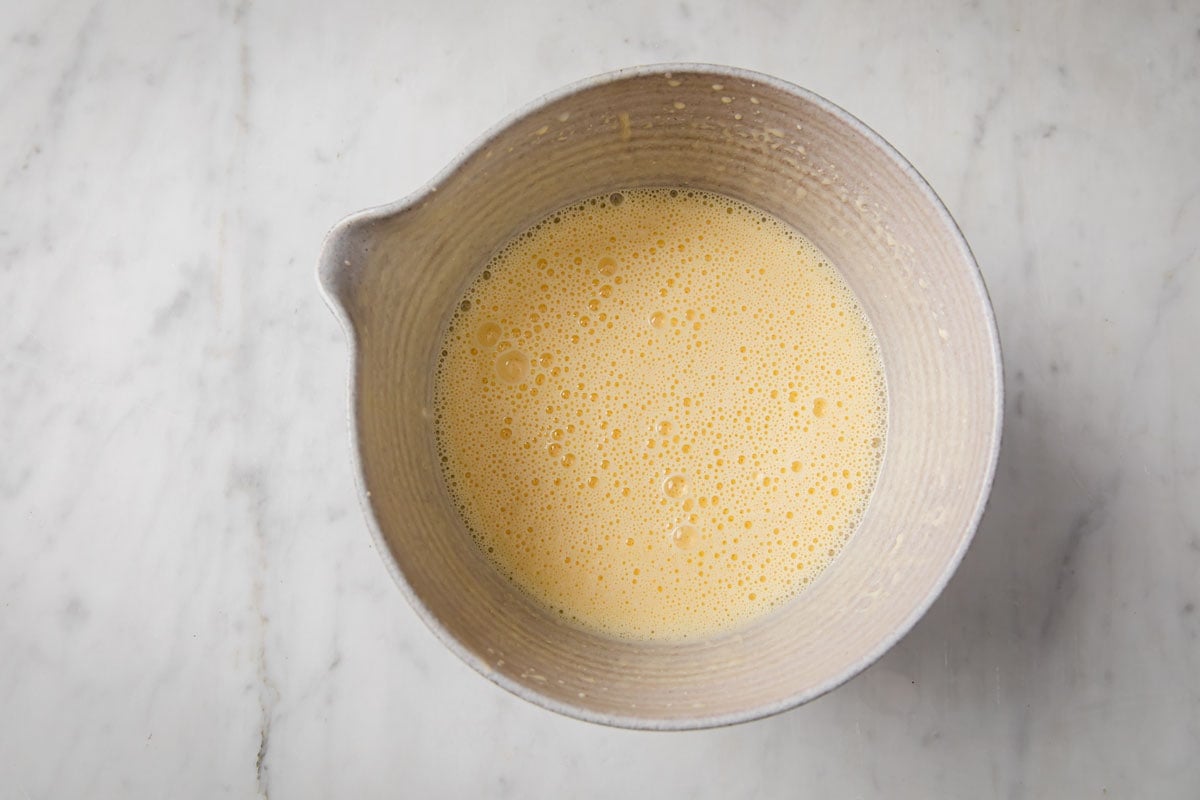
x,y
660,412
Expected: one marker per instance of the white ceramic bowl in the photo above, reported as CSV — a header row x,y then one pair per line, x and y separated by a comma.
x,y
393,274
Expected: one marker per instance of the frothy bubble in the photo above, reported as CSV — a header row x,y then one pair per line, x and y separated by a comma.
x,y
512,366
488,334
675,487
684,536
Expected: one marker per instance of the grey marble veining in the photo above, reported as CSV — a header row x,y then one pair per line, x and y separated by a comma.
x,y
190,605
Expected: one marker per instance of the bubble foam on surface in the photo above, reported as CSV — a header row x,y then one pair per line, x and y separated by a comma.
x,y
660,412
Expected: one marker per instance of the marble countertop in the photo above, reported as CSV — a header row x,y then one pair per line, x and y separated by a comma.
x,y
190,603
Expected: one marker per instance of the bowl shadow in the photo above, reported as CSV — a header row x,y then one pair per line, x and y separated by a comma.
x,y
985,645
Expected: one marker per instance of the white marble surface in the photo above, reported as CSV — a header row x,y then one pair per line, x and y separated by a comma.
x,y
190,605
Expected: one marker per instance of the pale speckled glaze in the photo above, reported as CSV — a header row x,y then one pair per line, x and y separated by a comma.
x,y
393,273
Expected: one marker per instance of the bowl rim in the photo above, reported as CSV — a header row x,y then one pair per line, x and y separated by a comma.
x,y
329,267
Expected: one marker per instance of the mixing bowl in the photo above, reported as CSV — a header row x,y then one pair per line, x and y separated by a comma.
x,y
393,275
